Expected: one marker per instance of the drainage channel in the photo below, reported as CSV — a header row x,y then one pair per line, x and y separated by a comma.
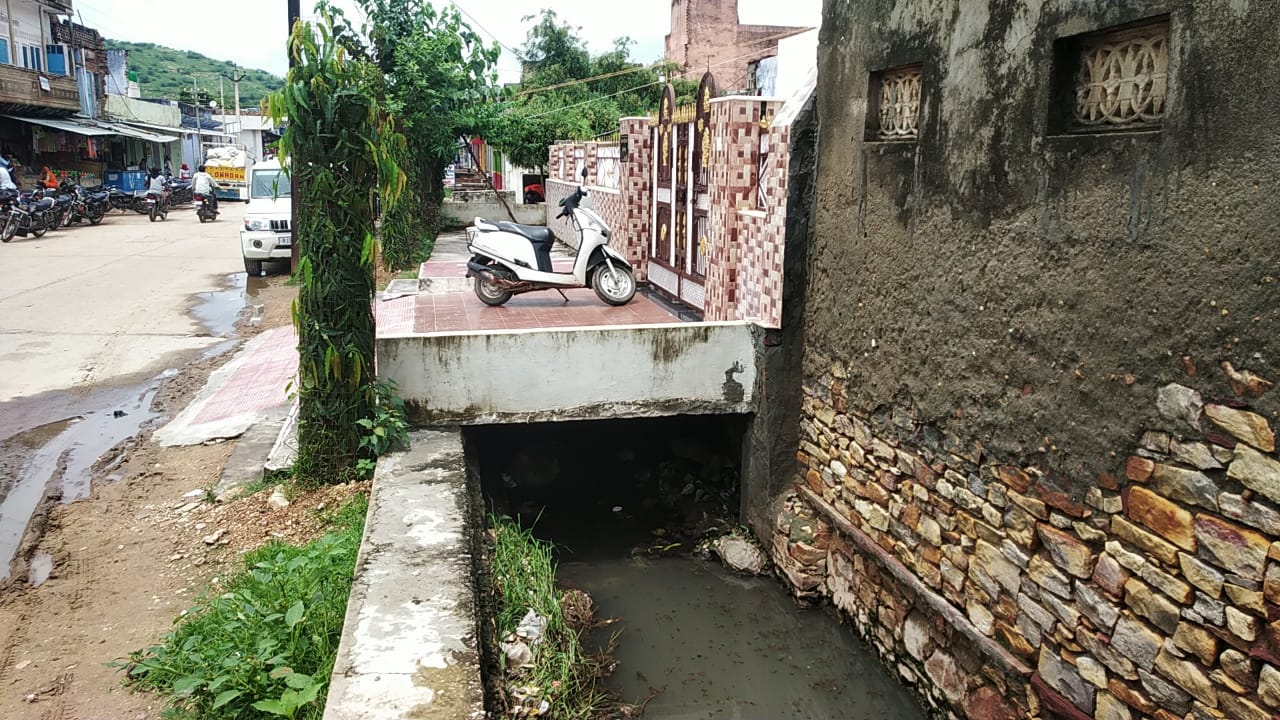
x,y
625,503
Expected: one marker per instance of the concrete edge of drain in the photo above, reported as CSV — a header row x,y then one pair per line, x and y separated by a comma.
x,y
285,449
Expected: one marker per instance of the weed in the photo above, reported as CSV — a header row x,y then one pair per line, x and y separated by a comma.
x,y
388,429
264,647
561,674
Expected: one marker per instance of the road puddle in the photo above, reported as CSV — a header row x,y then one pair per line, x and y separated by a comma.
x,y
59,458
221,310
719,645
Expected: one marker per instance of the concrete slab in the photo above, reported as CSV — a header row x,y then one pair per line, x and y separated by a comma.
x,y
237,394
409,647
285,449
245,466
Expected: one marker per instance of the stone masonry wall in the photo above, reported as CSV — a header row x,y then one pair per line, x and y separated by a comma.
x,y
1000,592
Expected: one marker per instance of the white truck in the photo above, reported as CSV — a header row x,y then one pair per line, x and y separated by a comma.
x,y
266,234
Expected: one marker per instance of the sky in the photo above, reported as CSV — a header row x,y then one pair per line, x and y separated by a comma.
x,y
251,32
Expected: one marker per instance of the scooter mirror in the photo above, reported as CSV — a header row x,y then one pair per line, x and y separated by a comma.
x,y
584,174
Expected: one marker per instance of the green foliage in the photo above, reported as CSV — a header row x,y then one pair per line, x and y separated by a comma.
x,y
555,101
388,429
335,144
524,577
264,647
438,72
167,73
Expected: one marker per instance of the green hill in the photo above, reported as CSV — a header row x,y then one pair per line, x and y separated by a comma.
x,y
164,73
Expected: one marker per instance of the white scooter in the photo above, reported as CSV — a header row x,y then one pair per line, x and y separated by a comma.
x,y
509,259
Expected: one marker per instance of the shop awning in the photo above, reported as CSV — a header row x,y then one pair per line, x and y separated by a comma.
x,y
89,128
160,129
140,134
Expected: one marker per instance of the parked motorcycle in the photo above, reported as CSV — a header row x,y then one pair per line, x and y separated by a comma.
x,y
180,192
510,259
90,205
63,206
204,208
28,213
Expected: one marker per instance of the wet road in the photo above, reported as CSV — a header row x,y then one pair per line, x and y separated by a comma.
x,y
84,306
91,320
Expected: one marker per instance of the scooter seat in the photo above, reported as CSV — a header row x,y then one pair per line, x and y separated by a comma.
x,y
536,234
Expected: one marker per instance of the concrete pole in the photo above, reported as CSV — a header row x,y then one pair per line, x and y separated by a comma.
x,y
13,42
199,129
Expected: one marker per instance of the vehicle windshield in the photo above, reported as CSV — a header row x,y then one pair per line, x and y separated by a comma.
x,y
269,184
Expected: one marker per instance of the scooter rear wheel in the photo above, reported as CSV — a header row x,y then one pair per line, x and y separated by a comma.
x,y
491,293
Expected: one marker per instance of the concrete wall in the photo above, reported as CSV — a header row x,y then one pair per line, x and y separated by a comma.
x,y
1044,469
127,109
465,207
573,373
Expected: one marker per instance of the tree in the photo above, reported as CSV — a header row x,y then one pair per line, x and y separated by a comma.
x,y
565,94
438,74
335,144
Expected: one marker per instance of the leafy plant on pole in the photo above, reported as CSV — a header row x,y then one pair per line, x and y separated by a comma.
x,y
438,74
335,143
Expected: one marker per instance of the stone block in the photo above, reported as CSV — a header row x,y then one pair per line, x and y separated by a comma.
x,y
1243,425
981,618
1238,708
1165,694
1188,676
990,560
1269,685
946,676
1132,697
1245,598
1108,574
1163,551
1233,548
1100,611
1253,514
1203,576
1209,610
1110,708
1242,625
1098,646
1197,641
988,704
1138,469
1162,517
1195,454
1015,640
1154,607
1014,477
1256,471
1171,586
1063,677
915,636
1063,610
1066,551
1048,577
1239,667
1088,533
1137,642
1191,487
1038,614
1180,404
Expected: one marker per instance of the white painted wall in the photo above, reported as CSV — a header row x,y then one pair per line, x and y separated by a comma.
x,y
571,373
797,57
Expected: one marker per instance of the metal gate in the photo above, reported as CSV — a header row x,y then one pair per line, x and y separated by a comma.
x,y
678,242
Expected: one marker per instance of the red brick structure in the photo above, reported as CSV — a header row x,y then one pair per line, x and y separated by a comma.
x,y
706,35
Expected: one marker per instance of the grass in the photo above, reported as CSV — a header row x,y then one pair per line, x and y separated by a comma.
x,y
264,644
524,574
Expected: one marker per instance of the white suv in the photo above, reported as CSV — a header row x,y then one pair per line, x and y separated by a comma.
x,y
266,234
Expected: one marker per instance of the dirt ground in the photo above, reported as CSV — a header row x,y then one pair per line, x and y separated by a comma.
x,y
128,560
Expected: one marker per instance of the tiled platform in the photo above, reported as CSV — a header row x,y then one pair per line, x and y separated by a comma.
x,y
463,312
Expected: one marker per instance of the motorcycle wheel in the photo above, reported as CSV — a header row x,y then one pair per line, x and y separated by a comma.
x,y
154,213
38,227
490,293
95,216
614,285
10,229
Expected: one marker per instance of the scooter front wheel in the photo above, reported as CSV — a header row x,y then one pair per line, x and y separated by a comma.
x,y
490,292
615,285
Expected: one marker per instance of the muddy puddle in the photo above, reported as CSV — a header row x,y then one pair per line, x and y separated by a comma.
x,y
721,646
219,311
62,457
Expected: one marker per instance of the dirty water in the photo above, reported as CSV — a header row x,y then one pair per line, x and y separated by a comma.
x,y
63,464
220,310
717,645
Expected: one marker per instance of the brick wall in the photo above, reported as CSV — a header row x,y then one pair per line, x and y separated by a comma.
x,y
998,591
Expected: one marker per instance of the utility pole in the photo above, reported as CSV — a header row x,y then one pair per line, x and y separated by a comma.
x,y
195,98
295,12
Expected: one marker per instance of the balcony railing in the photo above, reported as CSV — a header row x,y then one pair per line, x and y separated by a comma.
x,y
28,91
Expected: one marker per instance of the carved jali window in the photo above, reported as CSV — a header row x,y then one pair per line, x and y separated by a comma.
x,y
896,99
1122,79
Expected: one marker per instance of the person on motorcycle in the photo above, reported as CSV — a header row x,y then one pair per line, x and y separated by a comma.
x,y
158,186
202,183
7,185
48,179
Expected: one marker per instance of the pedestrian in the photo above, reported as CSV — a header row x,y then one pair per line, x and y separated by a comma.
x,y
184,173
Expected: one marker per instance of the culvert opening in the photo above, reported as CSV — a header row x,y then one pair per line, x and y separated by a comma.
x,y
629,507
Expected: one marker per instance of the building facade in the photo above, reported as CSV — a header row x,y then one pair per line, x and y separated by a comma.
x,y
706,36
1037,460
